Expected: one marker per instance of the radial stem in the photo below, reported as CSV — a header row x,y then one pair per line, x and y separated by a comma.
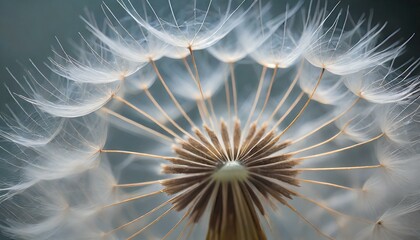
x,y
234,92
171,94
136,124
306,104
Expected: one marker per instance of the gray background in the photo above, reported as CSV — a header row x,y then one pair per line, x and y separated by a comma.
x,y
28,28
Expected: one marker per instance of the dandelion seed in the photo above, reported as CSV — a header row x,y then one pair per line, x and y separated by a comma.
x,y
218,121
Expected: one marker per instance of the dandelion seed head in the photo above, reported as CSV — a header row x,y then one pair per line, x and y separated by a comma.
x,y
216,120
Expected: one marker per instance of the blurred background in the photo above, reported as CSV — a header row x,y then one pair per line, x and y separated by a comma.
x,y
28,29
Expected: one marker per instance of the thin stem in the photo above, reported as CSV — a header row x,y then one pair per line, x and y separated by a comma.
x,y
140,184
334,168
326,184
148,116
289,110
150,96
267,97
150,224
135,153
307,221
327,123
342,149
306,104
136,124
257,96
234,92
140,217
292,106
134,198
323,154
227,92
213,112
331,211
159,107
182,232
171,95
198,82
187,66
289,90
160,181
201,111
176,225
319,144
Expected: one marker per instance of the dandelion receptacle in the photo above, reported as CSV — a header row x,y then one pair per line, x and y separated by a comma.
x,y
217,120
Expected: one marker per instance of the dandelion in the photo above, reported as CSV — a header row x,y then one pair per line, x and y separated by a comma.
x,y
219,120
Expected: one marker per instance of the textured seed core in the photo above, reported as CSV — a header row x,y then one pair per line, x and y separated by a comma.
x,y
230,175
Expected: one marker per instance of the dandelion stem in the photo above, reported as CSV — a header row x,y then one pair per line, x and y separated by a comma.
x,y
306,104
319,144
330,211
343,149
189,231
227,92
198,82
134,123
335,168
159,107
182,232
201,110
193,77
213,112
135,153
307,221
257,96
328,122
267,96
326,184
289,90
160,181
176,225
234,92
150,224
140,184
148,116
140,217
134,198
187,66
171,95
289,110
322,154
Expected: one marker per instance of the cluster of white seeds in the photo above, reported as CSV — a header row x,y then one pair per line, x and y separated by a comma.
x,y
216,120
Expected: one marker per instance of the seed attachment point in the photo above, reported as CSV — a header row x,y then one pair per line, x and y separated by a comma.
x,y
231,171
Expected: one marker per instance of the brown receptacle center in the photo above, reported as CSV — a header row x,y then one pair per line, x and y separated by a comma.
x,y
230,176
